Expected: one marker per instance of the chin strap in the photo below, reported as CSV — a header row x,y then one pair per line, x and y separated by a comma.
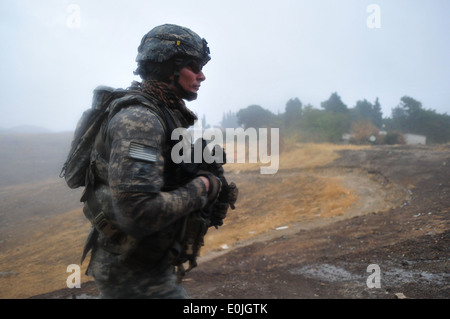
x,y
189,96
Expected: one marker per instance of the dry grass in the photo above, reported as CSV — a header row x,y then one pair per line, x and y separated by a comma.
x,y
304,156
290,201
295,199
36,260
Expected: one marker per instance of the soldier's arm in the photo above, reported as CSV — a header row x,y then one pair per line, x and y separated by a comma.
x,y
136,175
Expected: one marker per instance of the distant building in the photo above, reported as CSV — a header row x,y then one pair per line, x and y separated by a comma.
x,y
415,139
346,137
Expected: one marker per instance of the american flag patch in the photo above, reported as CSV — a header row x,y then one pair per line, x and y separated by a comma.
x,y
142,152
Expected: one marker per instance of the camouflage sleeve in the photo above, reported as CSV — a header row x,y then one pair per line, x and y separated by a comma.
x,y
136,175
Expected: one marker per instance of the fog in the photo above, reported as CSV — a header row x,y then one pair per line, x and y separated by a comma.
x,y
54,53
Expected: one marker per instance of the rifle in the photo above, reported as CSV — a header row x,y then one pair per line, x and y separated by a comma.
x,y
196,224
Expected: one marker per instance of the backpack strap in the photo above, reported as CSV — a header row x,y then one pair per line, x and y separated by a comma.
x,y
102,143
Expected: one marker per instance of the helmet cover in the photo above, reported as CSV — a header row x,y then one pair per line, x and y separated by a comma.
x,y
167,41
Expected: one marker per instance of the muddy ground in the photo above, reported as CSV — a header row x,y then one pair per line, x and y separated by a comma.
x,y
408,243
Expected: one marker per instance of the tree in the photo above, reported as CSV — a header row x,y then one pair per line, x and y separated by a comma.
x,y
322,126
366,111
407,114
410,117
255,116
290,119
334,104
293,112
411,106
377,114
229,120
334,107
204,124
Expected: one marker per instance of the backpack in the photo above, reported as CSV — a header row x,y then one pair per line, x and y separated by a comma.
x,y
78,159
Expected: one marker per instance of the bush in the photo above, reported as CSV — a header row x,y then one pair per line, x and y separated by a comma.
x,y
364,132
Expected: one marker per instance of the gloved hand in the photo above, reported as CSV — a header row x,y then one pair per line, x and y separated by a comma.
x,y
233,193
214,185
227,198
218,213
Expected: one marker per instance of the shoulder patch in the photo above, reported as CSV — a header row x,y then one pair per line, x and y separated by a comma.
x,y
142,152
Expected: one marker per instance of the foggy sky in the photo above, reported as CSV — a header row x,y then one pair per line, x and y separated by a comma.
x,y
263,52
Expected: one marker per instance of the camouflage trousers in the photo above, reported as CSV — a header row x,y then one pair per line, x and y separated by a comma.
x,y
116,280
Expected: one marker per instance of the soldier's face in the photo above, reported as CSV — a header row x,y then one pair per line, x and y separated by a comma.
x,y
191,78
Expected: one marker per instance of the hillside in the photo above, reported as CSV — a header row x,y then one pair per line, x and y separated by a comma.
x,y
28,158
37,213
309,231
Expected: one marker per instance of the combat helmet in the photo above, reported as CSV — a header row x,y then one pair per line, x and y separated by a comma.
x,y
164,42
166,49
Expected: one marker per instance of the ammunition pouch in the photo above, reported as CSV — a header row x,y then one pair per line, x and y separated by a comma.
x,y
102,230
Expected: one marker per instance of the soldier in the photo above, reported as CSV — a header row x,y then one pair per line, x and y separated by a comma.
x,y
139,201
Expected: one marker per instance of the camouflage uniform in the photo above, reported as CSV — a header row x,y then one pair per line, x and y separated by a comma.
x,y
142,196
